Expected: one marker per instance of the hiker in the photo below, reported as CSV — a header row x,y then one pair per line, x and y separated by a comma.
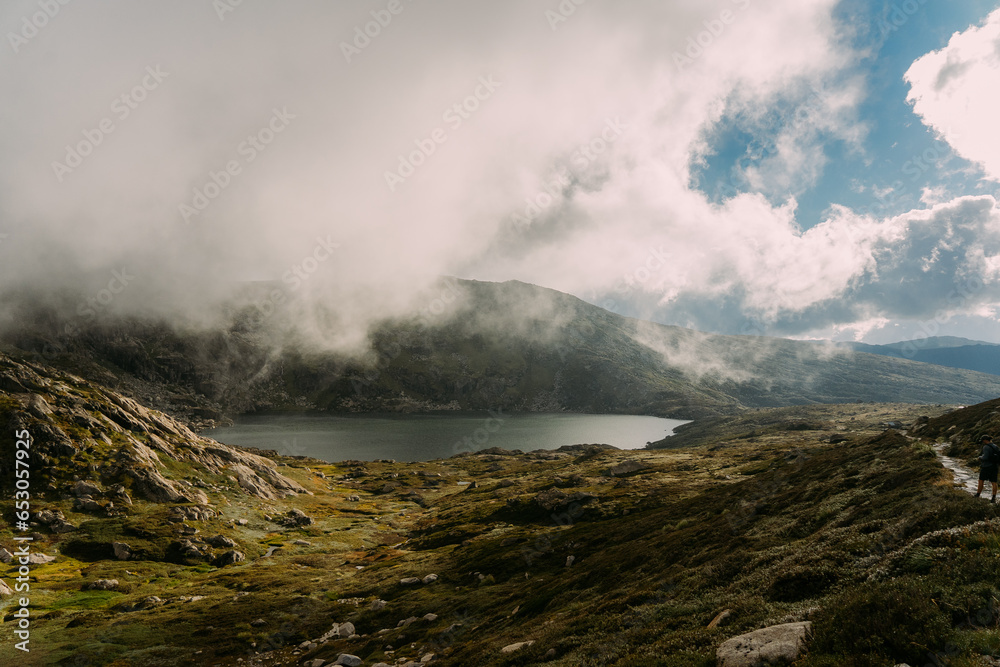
x,y
989,461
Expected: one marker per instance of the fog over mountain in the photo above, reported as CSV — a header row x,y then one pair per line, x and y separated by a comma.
x,y
793,168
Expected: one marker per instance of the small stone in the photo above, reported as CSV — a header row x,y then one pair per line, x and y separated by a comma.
x,y
427,658
82,488
302,543
39,559
229,558
122,550
258,623
551,653
378,605
5,556
430,618
102,585
348,660
569,560
510,648
409,581
430,579
5,590
241,522
221,541
407,621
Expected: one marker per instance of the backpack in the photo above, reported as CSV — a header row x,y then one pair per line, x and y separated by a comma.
x,y
990,455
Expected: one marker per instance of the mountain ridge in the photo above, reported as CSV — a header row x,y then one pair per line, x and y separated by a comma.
x,y
510,346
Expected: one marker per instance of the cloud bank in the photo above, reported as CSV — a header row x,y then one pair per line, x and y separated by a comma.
x,y
353,152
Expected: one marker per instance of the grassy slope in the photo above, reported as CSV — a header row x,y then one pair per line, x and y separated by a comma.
x,y
776,527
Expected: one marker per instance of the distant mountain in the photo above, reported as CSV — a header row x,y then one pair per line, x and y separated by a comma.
x,y
949,351
509,346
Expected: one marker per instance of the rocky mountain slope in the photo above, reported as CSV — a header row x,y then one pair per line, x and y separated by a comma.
x,y
479,346
163,548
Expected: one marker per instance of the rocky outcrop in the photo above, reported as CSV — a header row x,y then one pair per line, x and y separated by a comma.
x,y
67,416
776,645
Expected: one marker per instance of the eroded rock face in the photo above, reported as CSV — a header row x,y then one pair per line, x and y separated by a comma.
x,y
131,439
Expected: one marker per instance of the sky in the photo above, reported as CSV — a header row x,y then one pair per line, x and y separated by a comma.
x,y
796,168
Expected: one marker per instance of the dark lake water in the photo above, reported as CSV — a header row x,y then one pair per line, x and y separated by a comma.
x,y
426,437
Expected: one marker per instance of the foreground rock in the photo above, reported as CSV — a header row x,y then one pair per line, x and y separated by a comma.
x,y
776,645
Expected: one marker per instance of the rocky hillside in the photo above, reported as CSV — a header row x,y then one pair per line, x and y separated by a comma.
x,y
152,546
92,439
479,346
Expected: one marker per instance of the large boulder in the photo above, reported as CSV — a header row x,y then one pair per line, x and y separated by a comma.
x,y
776,645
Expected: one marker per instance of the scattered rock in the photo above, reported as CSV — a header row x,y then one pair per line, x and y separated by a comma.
x,y
302,543
47,517
430,618
339,630
62,527
626,468
87,504
767,646
406,621
146,603
318,662
427,658
5,556
122,550
569,560
430,579
258,623
40,559
553,499
409,581
83,488
297,517
5,590
348,660
229,558
354,498
102,585
191,513
378,605
221,541
510,648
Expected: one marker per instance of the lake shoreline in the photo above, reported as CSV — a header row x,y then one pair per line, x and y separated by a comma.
x,y
427,436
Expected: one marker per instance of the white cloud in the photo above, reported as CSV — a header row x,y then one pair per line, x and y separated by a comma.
x,y
954,90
